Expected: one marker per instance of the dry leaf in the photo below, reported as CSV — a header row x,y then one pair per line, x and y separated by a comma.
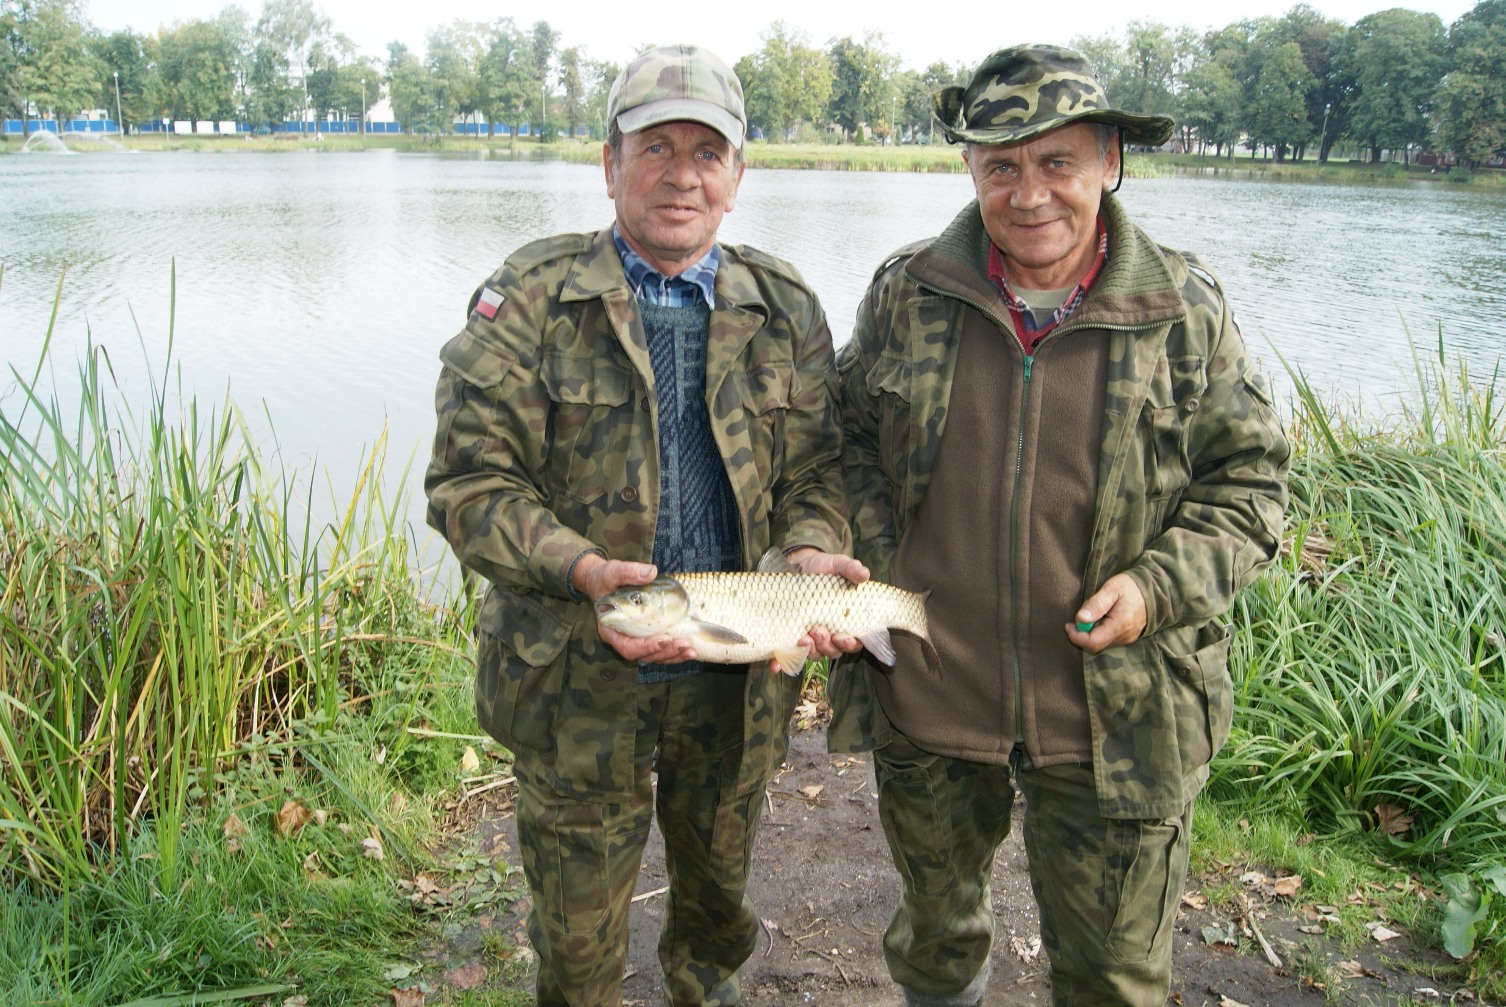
x,y
407,998
292,818
1027,949
397,804
1381,932
296,1001
1195,900
379,754
235,828
321,816
468,761
1312,928
1287,887
811,792
1252,878
1351,970
372,848
467,977
1227,1002
1391,820
311,862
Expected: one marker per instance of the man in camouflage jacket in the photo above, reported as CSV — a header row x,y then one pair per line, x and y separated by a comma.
x,y
639,396
1052,424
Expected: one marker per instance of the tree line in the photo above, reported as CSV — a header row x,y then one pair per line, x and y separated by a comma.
x,y
1394,81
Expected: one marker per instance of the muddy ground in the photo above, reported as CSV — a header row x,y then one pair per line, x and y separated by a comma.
x,y
825,887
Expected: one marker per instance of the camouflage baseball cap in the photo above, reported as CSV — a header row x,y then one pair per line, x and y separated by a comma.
x,y
1026,90
678,82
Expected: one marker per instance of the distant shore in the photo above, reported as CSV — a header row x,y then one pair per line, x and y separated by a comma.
x,y
919,157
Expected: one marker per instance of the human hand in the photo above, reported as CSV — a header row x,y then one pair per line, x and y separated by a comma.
x,y
819,641
1116,613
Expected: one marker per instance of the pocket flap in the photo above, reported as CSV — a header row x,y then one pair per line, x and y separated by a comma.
x,y
525,624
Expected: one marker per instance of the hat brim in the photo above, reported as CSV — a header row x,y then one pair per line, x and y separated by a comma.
x,y
683,110
1147,130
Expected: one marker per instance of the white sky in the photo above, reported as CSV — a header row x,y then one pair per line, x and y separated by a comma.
x,y
920,33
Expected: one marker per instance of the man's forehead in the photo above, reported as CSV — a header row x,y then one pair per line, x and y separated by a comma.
x,y
697,132
1064,138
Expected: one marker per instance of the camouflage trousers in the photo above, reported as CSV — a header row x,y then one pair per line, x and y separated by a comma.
x,y
1107,890
581,858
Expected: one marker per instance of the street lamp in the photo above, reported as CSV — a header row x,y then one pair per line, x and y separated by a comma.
x,y
543,107
893,116
363,106
119,119
1324,135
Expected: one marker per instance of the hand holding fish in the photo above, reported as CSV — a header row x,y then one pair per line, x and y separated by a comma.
x,y
595,576
820,639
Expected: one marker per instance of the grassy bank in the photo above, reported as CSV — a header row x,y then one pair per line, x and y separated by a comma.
x,y
240,758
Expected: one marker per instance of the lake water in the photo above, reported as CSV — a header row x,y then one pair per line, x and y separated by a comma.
x,y
317,288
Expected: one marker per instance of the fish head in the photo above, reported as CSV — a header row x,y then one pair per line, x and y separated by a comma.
x,y
644,609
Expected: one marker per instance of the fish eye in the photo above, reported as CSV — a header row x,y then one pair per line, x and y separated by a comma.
x,y
637,597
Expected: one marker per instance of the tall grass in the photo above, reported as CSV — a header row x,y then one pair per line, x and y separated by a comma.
x,y
181,647
1371,677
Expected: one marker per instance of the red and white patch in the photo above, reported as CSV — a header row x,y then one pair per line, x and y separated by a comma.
x,y
488,303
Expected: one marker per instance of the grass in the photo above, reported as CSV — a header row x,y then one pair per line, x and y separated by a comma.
x,y
218,711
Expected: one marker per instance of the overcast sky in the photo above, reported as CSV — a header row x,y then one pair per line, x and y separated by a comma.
x,y
921,33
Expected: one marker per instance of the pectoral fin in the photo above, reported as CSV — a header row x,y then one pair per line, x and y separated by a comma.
x,y
712,633
879,645
791,662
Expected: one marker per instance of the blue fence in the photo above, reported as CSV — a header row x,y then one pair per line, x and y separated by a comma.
x,y
104,127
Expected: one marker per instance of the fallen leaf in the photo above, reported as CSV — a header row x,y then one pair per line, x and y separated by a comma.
x,y
372,849
1312,928
467,977
1221,938
1287,887
469,763
408,998
234,827
812,791
1228,1002
293,817
1391,820
311,862
296,1001
379,756
1350,970
1195,900
321,816
1428,992
1252,878
1027,949
1381,932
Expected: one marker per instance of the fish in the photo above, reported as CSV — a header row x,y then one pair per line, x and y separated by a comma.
x,y
741,617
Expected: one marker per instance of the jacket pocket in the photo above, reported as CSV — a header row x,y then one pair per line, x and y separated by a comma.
x,y
1202,693
888,384
520,669
589,431
1174,398
764,390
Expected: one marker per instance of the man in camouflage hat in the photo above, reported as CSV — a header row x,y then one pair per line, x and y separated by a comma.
x,y
619,403
1052,425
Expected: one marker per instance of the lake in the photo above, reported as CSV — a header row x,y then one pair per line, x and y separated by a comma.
x,y
316,288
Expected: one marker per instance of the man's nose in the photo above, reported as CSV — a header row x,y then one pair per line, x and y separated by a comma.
x,y
681,172
1029,192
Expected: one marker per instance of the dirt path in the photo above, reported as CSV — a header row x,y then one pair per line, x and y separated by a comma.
x,y
825,887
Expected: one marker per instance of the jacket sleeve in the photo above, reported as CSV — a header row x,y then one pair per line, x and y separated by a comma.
x,y
484,478
809,506
1227,523
872,492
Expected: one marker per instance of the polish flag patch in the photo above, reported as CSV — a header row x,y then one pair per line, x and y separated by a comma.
x,y
488,303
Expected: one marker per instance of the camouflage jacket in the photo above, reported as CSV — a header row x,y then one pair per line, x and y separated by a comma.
x,y
1191,486
547,446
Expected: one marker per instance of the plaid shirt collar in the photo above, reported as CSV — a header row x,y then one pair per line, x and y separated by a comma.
x,y
1027,328
696,283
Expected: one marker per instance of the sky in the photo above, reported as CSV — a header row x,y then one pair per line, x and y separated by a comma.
x,y
614,30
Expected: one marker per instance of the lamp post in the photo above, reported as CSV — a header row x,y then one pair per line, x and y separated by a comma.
x,y
1323,136
893,118
363,106
119,119
543,107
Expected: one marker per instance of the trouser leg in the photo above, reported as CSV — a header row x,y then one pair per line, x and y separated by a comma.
x,y
708,824
581,860
1107,891
944,820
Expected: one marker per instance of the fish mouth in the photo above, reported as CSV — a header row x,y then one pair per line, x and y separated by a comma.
x,y
605,607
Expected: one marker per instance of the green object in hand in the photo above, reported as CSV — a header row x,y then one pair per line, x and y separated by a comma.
x,y
1085,627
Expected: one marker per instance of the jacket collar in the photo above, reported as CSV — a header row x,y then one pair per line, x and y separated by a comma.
x,y
1137,286
597,273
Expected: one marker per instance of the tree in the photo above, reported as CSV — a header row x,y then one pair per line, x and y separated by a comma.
x,y
861,75
196,65
410,90
1396,61
1210,105
57,73
545,42
454,59
1323,42
786,81
1472,101
572,81
1277,110
13,55
509,79
123,53
286,38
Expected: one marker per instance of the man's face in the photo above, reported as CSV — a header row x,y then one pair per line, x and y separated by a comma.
x,y
672,183
1039,201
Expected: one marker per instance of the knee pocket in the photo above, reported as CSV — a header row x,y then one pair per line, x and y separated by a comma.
x,y
572,867
1143,869
913,819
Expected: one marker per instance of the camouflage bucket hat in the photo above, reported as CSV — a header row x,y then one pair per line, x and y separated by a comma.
x,y
678,82
1021,92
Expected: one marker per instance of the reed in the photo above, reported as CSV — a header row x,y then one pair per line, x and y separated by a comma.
x,y
182,647
1371,671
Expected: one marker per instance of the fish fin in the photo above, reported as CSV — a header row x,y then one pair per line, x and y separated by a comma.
x,y
792,661
775,561
933,659
713,633
879,645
